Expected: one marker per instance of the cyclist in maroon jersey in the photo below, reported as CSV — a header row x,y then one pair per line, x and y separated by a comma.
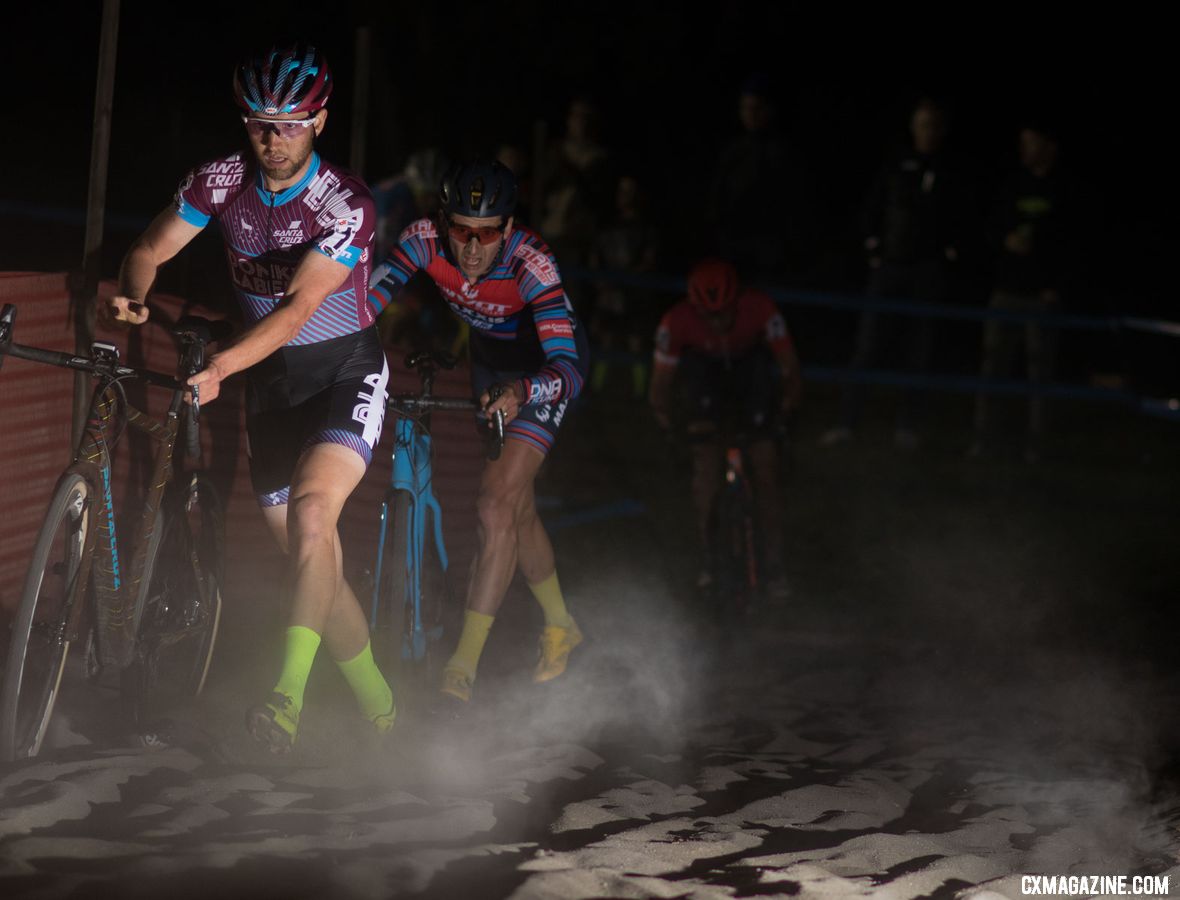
x,y
298,232
729,349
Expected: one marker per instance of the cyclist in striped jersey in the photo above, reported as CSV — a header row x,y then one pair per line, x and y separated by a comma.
x,y
528,359
298,234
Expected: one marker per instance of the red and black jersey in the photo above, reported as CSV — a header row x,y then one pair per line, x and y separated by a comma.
x,y
757,322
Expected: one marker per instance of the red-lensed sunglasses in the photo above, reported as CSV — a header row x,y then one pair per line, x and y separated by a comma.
x,y
485,234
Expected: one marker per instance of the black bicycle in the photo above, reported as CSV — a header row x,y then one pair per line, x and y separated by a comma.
x,y
733,538
153,622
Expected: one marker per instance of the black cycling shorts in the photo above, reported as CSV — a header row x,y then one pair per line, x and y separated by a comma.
x,y
332,391
741,394
536,424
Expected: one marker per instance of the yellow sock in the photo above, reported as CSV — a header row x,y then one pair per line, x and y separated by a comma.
x,y
302,644
548,594
372,691
476,626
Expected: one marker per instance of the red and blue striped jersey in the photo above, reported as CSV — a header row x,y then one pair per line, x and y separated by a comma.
x,y
519,304
267,233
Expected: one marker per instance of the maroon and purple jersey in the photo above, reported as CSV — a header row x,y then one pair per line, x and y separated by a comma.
x,y
515,307
758,321
267,233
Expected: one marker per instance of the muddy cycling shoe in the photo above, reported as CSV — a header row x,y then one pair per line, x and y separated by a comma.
x,y
383,722
453,698
274,723
456,684
556,646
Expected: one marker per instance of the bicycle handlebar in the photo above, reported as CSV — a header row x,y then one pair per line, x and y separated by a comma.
x,y
417,405
193,333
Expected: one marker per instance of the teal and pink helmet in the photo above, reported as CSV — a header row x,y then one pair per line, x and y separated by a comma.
x,y
296,79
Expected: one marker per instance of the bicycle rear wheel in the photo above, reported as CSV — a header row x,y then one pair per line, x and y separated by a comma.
x,y
39,644
179,608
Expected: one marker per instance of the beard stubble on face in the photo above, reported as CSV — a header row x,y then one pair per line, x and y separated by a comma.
x,y
294,152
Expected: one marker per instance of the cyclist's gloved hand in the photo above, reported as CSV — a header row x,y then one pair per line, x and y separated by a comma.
x,y
502,397
121,312
208,380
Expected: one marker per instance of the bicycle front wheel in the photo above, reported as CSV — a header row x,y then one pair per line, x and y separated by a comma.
x,y
735,551
40,641
178,612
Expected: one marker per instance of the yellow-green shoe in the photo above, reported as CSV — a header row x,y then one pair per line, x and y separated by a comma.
x,y
456,683
383,722
274,723
556,646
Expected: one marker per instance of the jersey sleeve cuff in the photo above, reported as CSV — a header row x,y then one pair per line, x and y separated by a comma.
x,y
348,257
191,215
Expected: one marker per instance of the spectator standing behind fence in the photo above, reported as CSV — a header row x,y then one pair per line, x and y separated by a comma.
x,y
575,191
759,211
1034,257
622,313
914,223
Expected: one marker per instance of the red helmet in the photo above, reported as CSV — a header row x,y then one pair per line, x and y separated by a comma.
x,y
296,79
713,286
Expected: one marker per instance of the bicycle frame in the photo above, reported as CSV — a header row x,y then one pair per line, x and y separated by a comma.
x,y
117,591
411,475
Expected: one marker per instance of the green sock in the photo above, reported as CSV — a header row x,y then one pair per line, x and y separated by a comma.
x,y
548,594
372,691
302,644
476,626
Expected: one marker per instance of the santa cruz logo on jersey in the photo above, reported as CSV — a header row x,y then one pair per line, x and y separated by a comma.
x,y
292,234
225,173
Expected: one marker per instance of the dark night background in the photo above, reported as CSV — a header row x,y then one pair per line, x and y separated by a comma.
x,y
468,77
976,672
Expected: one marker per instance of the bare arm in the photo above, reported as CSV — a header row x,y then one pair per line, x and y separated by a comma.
x,y
315,278
164,238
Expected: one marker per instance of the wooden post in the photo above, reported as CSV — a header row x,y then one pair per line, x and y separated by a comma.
x,y
85,289
360,101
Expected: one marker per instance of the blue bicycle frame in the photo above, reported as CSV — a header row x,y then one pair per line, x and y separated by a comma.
x,y
411,475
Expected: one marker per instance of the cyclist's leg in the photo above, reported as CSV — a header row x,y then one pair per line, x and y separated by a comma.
x,y
333,438
501,489
341,628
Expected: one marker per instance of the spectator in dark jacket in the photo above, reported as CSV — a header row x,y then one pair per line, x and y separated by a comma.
x,y
762,239
1034,258
914,222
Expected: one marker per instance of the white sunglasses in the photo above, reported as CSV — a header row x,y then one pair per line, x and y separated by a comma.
x,y
281,127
